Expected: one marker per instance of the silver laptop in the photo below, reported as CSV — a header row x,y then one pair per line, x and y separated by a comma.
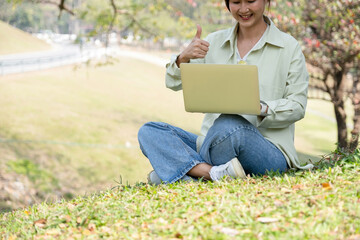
x,y
220,88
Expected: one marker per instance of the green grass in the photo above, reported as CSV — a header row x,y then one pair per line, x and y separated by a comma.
x,y
16,41
81,126
320,204
316,135
78,130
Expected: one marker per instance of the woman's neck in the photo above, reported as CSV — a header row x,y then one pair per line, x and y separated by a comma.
x,y
252,34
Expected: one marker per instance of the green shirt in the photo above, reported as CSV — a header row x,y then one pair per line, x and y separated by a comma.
x,y
283,82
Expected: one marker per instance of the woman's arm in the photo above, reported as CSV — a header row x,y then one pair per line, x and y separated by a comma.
x,y
195,52
291,108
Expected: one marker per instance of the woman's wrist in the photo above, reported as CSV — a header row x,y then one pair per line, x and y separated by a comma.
x,y
180,59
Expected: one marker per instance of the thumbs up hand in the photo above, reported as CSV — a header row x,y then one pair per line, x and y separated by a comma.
x,y
197,49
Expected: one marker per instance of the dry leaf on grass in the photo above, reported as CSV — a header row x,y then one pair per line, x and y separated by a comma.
x,y
40,223
178,235
298,187
286,191
327,186
91,227
267,219
225,230
278,203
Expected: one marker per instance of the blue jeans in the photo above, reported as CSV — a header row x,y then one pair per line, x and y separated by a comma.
x,y
172,151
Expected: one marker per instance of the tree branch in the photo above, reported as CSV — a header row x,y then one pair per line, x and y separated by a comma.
x,y
135,21
111,25
61,5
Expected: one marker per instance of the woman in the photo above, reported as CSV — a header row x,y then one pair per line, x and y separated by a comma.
x,y
236,145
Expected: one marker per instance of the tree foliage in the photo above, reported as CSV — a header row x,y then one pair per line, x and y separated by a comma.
x,y
330,33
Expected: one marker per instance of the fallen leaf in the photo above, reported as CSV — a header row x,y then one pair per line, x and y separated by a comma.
x,y
67,218
298,187
285,190
278,203
71,206
62,225
145,225
327,186
52,232
40,223
267,219
105,229
225,230
91,227
251,180
178,235
86,232
311,202
297,220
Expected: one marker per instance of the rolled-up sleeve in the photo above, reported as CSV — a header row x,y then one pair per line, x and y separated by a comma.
x,y
173,76
291,108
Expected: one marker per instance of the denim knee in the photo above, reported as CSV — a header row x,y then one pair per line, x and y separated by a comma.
x,y
229,121
145,132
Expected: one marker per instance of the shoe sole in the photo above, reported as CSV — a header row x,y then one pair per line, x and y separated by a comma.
x,y
152,182
239,170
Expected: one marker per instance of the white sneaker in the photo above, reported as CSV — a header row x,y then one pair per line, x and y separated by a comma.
x,y
232,169
153,178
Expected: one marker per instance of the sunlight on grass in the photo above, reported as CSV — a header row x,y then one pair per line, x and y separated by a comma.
x,y
318,204
14,40
82,125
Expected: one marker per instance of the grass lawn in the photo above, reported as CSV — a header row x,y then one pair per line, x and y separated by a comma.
x,y
79,128
320,204
14,40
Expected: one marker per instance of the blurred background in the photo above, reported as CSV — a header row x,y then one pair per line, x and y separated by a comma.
x,y
78,78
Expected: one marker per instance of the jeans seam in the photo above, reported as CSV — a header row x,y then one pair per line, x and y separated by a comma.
x,y
231,133
187,168
175,134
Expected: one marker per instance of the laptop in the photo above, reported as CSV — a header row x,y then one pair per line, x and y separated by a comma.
x,y
220,88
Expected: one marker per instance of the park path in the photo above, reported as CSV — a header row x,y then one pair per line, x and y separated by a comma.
x,y
68,54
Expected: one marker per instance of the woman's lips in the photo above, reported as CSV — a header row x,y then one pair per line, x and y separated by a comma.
x,y
245,17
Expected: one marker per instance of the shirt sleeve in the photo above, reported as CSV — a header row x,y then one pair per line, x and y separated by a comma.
x,y
173,75
291,108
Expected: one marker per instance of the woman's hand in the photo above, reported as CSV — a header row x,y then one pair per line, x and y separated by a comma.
x,y
197,49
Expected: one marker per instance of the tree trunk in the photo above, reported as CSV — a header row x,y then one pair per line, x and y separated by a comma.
x,y
339,109
341,124
354,142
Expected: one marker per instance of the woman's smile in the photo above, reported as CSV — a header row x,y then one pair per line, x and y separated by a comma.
x,y
245,17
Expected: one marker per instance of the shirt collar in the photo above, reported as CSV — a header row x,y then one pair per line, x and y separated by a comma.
x,y
273,36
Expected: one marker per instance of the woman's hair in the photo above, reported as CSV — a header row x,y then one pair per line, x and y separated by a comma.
x,y
227,4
